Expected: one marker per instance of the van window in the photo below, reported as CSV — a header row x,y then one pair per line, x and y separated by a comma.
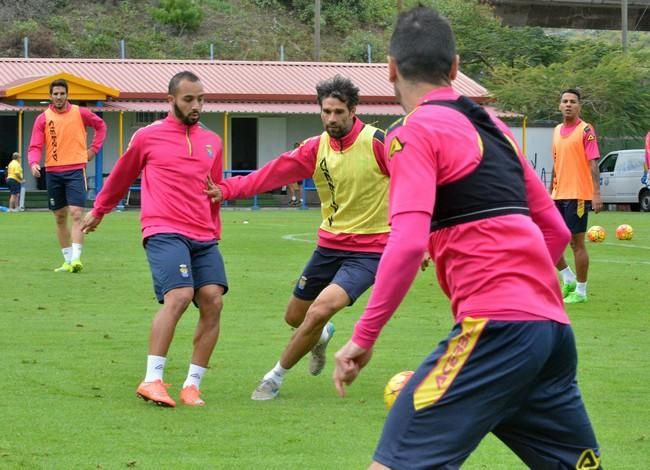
x,y
629,163
608,164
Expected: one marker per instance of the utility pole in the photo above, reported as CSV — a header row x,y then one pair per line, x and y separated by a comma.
x,y
317,30
624,24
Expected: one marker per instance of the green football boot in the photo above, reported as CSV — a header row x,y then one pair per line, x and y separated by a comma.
x,y
76,265
575,298
64,268
567,288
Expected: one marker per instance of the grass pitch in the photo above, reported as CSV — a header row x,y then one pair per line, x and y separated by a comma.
x,y
73,349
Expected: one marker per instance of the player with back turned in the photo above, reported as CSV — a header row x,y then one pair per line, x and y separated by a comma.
x,y
461,188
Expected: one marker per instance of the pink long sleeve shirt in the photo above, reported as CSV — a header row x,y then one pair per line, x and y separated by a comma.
x,y
299,164
175,161
37,140
499,268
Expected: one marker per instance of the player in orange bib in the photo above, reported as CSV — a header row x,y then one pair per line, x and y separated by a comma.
x,y
61,129
575,187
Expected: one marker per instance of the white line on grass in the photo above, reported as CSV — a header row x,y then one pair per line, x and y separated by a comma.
x,y
618,261
297,237
627,245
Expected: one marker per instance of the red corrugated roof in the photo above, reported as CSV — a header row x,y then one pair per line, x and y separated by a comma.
x,y
223,80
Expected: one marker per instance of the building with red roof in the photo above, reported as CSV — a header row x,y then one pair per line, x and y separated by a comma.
x,y
259,108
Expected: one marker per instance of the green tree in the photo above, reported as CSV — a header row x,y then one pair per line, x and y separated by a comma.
x,y
181,15
615,88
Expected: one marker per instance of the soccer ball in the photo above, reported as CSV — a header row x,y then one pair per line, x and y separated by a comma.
x,y
394,386
596,234
624,232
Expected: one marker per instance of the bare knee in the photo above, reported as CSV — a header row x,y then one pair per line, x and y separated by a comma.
x,y
61,216
177,300
296,311
210,302
318,315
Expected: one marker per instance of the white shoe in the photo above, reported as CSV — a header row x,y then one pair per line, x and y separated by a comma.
x,y
318,356
267,389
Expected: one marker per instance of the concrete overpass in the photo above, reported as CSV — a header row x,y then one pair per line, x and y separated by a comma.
x,y
577,14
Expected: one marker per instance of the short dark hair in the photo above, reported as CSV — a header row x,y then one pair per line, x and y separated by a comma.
x,y
176,79
338,87
423,46
59,82
572,91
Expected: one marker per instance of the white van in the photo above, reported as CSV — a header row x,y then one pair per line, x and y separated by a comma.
x,y
620,179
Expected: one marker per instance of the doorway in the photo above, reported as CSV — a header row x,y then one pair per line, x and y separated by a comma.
x,y
244,145
8,143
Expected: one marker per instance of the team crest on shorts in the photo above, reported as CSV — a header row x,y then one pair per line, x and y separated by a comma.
x,y
208,149
301,282
182,268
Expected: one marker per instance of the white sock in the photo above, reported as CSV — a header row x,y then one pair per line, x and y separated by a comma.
x,y
194,376
276,374
155,368
581,288
567,275
76,250
67,254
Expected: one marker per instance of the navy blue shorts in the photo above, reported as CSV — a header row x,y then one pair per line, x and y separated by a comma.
x,y
575,213
177,261
14,186
353,271
67,188
514,379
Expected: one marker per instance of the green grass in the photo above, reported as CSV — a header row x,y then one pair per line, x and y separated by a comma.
x,y
73,348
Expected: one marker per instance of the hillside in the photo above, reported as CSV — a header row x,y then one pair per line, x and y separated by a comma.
x,y
237,29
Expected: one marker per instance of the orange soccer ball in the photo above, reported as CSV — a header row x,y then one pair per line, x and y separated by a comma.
x,y
596,234
624,232
394,386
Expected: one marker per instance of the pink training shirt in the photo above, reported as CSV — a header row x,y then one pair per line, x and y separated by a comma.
x,y
500,268
175,161
647,150
37,141
299,164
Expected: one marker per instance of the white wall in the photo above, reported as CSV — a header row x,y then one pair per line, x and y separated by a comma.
x,y
271,139
539,142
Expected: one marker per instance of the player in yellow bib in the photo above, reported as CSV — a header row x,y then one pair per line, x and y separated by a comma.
x,y
349,170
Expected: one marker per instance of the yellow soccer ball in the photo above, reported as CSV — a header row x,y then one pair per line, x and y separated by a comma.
x,y
596,234
624,232
394,386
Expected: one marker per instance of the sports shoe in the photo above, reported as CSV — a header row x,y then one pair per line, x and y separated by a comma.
x,y
155,391
64,268
568,287
267,389
76,265
191,396
318,357
575,298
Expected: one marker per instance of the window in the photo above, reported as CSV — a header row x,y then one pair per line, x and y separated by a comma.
x,y
144,118
608,164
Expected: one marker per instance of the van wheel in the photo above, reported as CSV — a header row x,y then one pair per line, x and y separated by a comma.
x,y
644,200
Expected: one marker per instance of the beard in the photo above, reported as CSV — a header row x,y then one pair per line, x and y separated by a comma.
x,y
187,119
336,132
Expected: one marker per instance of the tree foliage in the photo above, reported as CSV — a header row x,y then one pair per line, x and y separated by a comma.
x,y
615,87
181,15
